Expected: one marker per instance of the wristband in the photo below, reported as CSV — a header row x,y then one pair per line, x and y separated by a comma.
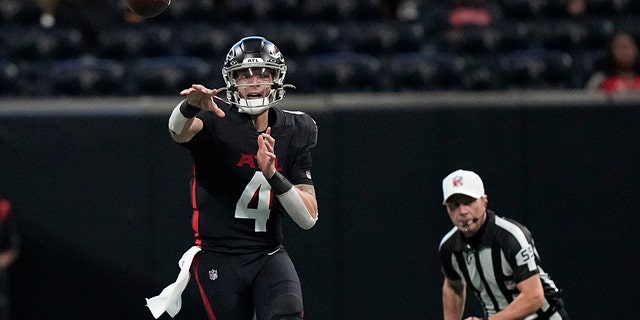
x,y
279,184
182,113
188,110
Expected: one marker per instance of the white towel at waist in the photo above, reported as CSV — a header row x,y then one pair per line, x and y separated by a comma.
x,y
170,299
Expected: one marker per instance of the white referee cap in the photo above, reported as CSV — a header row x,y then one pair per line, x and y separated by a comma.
x,y
462,182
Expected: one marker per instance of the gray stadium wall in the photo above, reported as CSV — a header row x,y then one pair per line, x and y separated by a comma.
x,y
101,195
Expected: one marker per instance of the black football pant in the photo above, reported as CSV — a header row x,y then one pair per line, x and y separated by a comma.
x,y
234,286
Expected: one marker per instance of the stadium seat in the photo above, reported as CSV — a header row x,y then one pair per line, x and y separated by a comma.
x,y
585,64
22,12
136,41
472,39
302,39
536,69
426,71
30,44
371,38
167,75
412,37
358,10
531,44
262,11
383,37
628,23
319,10
180,12
203,40
294,39
599,30
516,35
86,76
9,75
523,9
481,73
560,34
344,72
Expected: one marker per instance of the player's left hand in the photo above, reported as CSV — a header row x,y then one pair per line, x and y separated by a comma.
x,y
266,156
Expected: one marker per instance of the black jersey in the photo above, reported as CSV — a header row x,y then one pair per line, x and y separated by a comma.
x,y
234,209
494,261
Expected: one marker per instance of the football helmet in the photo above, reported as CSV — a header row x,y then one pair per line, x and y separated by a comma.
x,y
247,56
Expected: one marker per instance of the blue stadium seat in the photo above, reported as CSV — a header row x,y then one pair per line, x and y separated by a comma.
x,y
264,11
628,23
30,43
412,37
426,71
203,40
481,73
560,34
585,64
343,72
36,44
319,10
599,30
472,39
136,41
516,35
294,39
358,10
167,75
9,76
523,9
302,39
180,12
536,69
383,37
22,12
86,76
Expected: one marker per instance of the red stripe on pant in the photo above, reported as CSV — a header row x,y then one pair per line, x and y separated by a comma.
x,y
205,300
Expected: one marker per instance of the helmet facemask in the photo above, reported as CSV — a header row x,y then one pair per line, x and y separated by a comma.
x,y
254,73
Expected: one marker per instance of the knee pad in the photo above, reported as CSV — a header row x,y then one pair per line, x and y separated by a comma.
x,y
287,307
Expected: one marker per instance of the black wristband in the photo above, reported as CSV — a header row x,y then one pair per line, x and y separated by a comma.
x,y
279,184
188,110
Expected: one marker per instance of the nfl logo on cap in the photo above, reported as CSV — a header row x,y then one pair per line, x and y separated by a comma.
x,y
462,182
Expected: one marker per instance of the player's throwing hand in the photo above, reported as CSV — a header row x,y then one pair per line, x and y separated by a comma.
x,y
202,97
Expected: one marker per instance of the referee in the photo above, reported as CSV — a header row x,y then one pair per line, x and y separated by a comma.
x,y
493,257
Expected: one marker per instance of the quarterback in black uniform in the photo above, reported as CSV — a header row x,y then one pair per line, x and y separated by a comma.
x,y
493,257
251,170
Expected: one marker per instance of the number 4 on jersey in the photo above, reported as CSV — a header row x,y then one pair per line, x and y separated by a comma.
x,y
255,202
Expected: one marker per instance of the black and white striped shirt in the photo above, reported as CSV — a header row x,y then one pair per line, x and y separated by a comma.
x,y
492,262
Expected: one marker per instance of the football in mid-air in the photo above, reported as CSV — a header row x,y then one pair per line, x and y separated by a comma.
x,y
148,8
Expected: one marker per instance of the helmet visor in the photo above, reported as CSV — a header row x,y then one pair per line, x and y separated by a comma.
x,y
262,73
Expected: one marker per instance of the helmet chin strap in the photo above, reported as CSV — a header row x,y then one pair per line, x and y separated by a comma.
x,y
254,106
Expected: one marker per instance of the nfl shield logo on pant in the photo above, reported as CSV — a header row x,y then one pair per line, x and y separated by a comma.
x,y
213,274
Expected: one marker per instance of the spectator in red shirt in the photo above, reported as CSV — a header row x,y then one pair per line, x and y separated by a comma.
x,y
620,71
479,13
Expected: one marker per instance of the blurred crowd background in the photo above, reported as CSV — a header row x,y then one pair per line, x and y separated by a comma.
x,y
98,47
101,191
